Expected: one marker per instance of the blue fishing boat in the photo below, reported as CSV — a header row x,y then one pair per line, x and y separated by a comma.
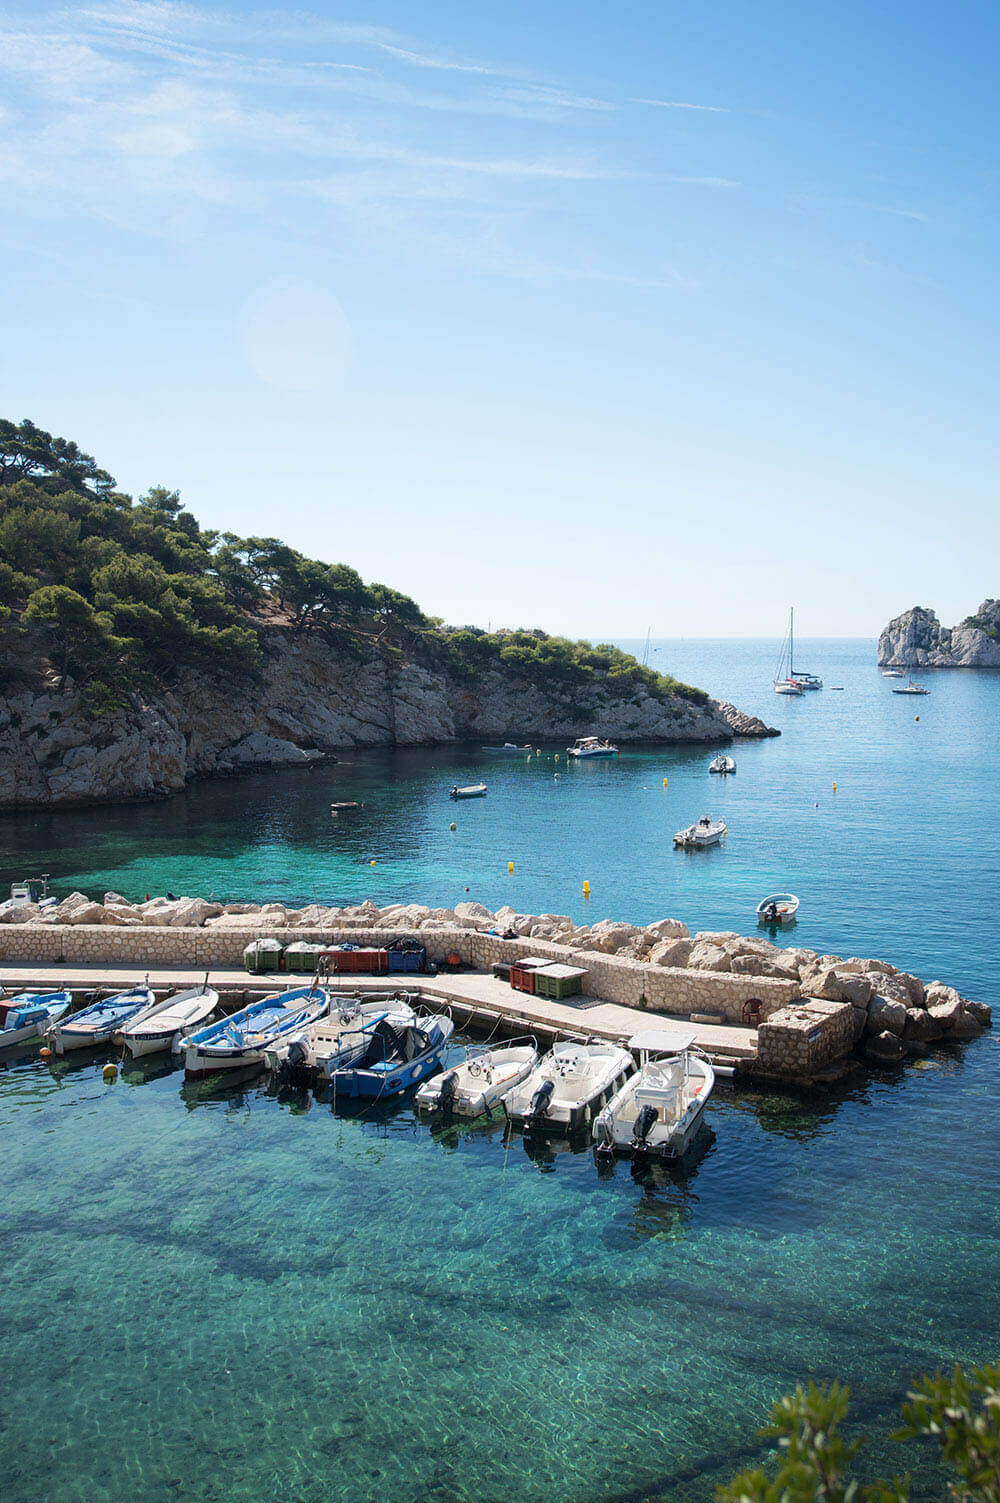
x,y
399,1055
96,1023
239,1042
29,1014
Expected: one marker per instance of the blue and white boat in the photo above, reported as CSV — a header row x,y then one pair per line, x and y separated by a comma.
x,y
239,1042
398,1056
97,1023
29,1014
338,1039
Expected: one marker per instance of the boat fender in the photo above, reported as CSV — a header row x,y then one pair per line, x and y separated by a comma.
x,y
542,1099
643,1125
446,1094
110,1074
45,1053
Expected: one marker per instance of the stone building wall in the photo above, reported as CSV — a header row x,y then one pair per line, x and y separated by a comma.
x,y
800,1039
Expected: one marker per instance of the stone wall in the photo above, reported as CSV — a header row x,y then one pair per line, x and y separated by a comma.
x,y
801,1039
609,977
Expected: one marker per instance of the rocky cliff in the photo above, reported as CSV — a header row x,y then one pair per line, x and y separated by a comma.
x,y
310,704
916,639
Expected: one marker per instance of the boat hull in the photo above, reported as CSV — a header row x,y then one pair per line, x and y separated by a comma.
x,y
572,1112
474,1093
374,1085
198,1062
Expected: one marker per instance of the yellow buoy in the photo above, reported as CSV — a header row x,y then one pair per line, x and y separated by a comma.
x,y
586,889
453,827
372,862
557,756
834,787
664,782
110,1073
510,868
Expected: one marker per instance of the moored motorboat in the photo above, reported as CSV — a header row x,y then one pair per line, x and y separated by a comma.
x,y
29,1014
479,1081
893,673
397,1057
345,806
722,763
704,831
507,750
339,1038
99,1022
591,746
169,1021
658,1111
239,1042
472,790
778,908
569,1086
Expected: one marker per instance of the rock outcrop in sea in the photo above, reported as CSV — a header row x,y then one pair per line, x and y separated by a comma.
x,y
916,639
311,704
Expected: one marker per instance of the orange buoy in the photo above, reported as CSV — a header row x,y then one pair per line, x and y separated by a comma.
x,y
45,1053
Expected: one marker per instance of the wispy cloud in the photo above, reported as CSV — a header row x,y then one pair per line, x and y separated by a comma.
x,y
677,104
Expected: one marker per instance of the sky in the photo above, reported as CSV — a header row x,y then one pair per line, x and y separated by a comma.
x,y
584,316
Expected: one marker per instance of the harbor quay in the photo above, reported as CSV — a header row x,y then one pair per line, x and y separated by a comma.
x,y
809,1021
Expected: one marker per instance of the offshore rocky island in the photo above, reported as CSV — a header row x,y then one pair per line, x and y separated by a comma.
x,y
139,651
916,639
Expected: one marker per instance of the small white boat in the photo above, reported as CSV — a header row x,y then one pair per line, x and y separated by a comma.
x,y
893,673
787,686
911,688
569,1086
657,1112
169,1021
777,908
100,1021
339,1038
481,1080
239,1042
705,831
722,763
473,790
29,1014
806,680
507,750
591,746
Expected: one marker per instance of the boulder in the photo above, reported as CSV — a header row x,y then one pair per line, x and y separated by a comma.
x,y
608,936
982,1014
860,1023
759,965
19,913
963,1025
71,904
191,913
241,908
914,986
947,1010
886,1048
478,914
719,937
706,956
117,899
836,985
920,1026
886,1016
666,929
892,987
121,916
936,993
87,913
877,967
672,952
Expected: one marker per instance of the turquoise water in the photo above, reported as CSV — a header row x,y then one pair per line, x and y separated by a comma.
x,y
247,1296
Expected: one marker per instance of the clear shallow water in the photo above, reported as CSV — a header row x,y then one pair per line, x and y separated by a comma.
x,y
239,1296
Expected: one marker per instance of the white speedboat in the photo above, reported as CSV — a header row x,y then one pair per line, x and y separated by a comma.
x,y
893,673
507,750
591,746
569,1086
657,1112
787,686
29,1014
705,831
481,1080
472,790
777,908
239,1042
340,1037
169,1021
722,763
100,1021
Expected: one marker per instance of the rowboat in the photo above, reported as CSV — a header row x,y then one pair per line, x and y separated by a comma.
x,y
100,1021
722,763
339,1038
570,1086
591,746
657,1112
473,790
480,1081
778,908
239,1042
169,1021
705,831
30,1013
398,1056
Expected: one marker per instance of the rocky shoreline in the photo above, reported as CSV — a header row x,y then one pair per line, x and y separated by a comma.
x,y
916,639
893,1012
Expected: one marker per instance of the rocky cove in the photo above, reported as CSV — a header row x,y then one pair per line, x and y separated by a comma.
x,y
808,1010
310,703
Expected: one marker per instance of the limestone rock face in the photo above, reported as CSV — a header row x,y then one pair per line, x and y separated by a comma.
x,y
916,639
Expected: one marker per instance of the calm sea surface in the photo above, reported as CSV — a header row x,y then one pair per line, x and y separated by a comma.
x,y
244,1296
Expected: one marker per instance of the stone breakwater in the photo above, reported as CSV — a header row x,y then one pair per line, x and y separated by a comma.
x,y
813,1008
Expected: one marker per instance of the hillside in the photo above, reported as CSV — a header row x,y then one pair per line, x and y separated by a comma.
x,y
916,639
139,650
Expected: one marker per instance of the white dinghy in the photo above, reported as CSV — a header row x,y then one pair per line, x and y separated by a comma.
x,y
705,831
569,1086
169,1021
339,1038
657,1112
481,1080
778,908
722,763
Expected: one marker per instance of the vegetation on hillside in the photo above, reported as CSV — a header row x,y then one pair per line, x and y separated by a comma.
x,y
130,593
959,1411
985,623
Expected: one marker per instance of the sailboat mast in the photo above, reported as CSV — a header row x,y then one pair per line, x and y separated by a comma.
x,y
791,641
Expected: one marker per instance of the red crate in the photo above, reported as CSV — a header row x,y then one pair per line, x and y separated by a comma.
x,y
522,978
369,961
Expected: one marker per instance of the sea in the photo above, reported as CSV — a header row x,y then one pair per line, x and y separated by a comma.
x,y
252,1294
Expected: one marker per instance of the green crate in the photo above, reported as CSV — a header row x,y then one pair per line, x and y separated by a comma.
x,y
263,955
303,957
555,981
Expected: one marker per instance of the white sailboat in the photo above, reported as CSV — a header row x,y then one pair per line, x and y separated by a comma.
x,y
796,680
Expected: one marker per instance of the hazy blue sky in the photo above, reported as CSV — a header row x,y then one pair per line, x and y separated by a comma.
x,y
587,316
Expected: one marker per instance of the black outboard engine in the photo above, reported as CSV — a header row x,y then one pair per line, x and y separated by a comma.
x,y
446,1094
643,1126
294,1061
541,1100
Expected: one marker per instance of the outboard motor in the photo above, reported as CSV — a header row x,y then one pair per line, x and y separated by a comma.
x,y
643,1126
541,1100
294,1061
446,1094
